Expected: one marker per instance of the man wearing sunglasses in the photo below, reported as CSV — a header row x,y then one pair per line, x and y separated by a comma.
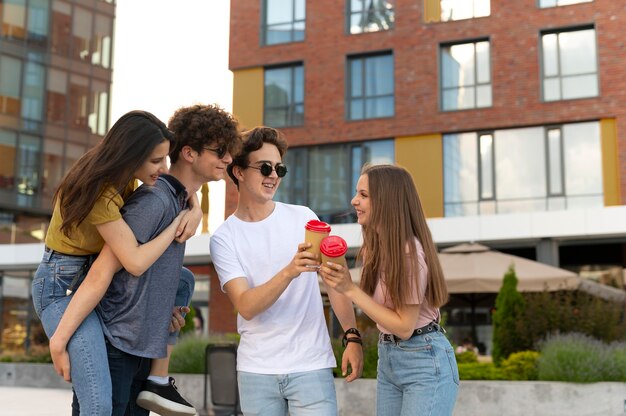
x,y
284,360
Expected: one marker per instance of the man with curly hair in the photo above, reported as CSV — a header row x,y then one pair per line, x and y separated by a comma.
x,y
136,312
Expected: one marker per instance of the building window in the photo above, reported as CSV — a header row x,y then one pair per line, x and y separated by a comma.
x,y
465,76
283,21
554,3
79,101
103,35
8,144
464,9
38,17
324,177
98,115
33,92
52,166
61,27
28,159
569,64
10,80
284,96
523,170
369,15
81,33
370,87
56,94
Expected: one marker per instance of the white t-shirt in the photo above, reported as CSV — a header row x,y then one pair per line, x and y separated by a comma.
x,y
291,335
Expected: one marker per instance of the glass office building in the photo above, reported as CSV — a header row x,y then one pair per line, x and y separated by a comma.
x,y
55,82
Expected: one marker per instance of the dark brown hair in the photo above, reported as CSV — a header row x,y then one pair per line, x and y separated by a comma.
x,y
200,125
396,218
253,140
112,162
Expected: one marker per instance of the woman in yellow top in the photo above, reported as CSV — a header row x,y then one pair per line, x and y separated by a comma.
x,y
86,215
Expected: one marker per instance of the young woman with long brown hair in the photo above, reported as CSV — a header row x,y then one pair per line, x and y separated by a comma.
x,y
402,287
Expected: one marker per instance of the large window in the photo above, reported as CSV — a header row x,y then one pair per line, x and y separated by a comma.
x,y
283,21
464,9
465,76
284,96
369,15
324,177
555,3
370,87
569,64
103,37
8,144
523,170
33,92
10,80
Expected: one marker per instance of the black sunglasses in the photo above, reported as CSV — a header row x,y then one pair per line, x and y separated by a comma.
x,y
266,169
219,151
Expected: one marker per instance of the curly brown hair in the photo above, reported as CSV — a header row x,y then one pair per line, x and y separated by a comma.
x,y
201,125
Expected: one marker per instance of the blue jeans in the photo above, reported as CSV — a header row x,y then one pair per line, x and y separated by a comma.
x,y
88,359
129,372
310,393
418,376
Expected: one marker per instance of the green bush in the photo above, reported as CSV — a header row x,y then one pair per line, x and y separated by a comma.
x,y
37,354
563,312
188,353
479,371
580,358
370,353
466,357
507,334
520,366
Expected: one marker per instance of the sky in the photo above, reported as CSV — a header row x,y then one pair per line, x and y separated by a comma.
x,y
169,54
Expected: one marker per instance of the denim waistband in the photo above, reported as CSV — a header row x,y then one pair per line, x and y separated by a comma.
x,y
431,327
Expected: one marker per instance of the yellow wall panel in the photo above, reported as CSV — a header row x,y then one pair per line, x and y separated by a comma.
x,y
422,156
610,162
432,11
248,97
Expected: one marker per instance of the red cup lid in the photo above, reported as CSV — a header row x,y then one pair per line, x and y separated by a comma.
x,y
317,226
333,246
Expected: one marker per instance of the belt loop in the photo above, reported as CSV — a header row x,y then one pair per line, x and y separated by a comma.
x,y
47,254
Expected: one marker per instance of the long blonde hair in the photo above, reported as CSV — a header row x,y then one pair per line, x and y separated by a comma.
x,y
396,218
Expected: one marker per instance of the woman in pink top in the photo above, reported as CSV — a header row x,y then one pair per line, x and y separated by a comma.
x,y
402,288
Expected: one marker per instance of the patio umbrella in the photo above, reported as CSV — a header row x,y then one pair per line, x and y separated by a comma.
x,y
475,268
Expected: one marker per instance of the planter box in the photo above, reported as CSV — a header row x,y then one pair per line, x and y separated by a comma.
x,y
484,398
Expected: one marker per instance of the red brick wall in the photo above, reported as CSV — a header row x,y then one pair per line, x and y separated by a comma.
x,y
513,30
222,315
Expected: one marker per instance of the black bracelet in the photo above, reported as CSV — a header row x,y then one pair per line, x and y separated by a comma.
x,y
352,331
353,339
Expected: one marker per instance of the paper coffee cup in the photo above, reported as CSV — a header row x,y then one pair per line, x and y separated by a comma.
x,y
333,249
314,232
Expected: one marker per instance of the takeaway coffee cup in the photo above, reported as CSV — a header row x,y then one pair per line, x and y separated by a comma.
x,y
314,232
333,248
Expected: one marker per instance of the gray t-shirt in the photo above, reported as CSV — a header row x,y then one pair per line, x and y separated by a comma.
x,y
136,311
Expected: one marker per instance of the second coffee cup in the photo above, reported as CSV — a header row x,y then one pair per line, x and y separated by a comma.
x,y
333,249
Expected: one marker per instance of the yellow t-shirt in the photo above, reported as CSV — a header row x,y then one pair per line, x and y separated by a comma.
x,y
85,238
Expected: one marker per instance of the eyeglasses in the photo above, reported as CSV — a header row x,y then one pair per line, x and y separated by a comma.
x,y
219,151
266,169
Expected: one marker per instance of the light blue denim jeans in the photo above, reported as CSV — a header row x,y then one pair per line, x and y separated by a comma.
x,y
91,378
88,356
310,393
418,376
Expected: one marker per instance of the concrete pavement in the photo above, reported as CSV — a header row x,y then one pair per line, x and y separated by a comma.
x,y
35,401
